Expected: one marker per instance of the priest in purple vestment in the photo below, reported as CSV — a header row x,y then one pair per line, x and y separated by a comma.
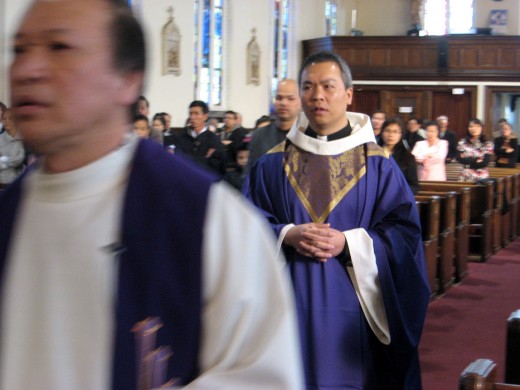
x,y
348,225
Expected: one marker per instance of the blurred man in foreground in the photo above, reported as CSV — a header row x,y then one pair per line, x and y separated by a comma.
x,y
111,247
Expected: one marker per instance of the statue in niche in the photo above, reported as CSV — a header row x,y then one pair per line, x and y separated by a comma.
x,y
253,60
171,47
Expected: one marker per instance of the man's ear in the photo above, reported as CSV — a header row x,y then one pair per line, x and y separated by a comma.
x,y
349,95
131,85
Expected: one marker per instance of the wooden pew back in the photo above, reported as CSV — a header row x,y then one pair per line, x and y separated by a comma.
x,y
446,236
481,213
429,209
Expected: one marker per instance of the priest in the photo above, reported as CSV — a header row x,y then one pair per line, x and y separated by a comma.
x,y
347,222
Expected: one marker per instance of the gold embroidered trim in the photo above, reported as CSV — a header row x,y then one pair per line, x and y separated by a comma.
x,y
323,179
277,148
375,150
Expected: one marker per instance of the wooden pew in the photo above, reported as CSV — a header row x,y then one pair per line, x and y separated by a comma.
x,y
512,372
480,230
498,206
453,170
462,216
513,197
446,236
428,210
481,375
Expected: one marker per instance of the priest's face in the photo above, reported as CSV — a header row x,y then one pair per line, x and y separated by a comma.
x,y
324,97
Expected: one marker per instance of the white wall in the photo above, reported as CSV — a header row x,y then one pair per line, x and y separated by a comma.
x,y
174,93
10,14
483,7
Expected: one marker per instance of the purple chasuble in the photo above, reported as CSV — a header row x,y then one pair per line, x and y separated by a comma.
x,y
360,188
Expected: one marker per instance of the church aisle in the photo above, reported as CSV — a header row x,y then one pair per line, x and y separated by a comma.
x,y
469,321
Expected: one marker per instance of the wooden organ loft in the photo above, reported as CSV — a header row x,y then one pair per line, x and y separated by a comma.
x,y
481,64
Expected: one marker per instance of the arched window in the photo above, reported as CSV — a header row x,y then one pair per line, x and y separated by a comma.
x,y
281,43
448,16
331,16
208,51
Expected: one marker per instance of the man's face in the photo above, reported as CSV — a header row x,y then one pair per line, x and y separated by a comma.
x,y
443,123
378,118
142,108
412,126
287,102
197,118
168,120
64,86
229,121
7,118
324,97
506,130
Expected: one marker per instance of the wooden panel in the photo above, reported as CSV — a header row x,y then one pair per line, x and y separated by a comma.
x,y
365,101
471,57
489,57
456,107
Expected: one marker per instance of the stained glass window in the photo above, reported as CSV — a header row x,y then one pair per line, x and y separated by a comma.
x,y
331,16
281,43
208,51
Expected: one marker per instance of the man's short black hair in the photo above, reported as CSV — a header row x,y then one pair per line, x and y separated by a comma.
x,y
126,33
230,112
201,104
328,56
140,117
128,39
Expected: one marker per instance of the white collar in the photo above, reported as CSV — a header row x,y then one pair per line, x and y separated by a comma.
x,y
361,133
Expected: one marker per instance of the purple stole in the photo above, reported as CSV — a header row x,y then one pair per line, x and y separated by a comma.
x,y
159,264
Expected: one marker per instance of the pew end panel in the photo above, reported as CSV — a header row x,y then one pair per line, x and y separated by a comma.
x,y
446,236
481,375
428,213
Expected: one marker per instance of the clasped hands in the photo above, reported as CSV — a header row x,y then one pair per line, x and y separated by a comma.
x,y
316,240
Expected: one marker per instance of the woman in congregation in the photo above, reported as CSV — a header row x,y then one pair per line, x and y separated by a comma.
x,y
430,154
159,123
392,143
506,147
474,152
12,152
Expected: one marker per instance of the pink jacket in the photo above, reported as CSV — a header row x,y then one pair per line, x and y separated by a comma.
x,y
431,160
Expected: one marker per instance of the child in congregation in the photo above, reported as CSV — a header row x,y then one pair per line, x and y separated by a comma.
x,y
141,126
236,171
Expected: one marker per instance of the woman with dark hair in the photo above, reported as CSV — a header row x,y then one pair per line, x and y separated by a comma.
x,y
159,123
474,152
392,143
506,147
